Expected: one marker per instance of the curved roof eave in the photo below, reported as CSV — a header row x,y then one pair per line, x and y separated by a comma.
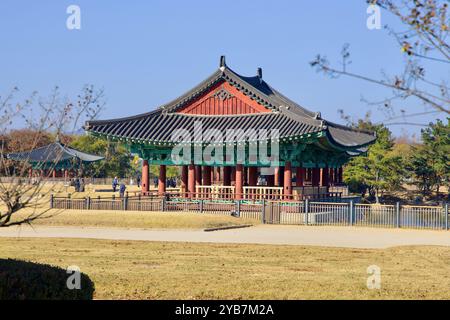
x,y
349,138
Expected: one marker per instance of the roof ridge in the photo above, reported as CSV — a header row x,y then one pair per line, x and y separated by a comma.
x,y
198,89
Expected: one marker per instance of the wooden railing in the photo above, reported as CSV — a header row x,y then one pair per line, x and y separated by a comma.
x,y
259,193
214,192
262,193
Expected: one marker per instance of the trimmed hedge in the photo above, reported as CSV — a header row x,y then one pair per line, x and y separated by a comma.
x,y
22,280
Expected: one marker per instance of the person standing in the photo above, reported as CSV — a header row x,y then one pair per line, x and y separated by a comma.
x,y
77,185
114,184
138,181
82,185
122,189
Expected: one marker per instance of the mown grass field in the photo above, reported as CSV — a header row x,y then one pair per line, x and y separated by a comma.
x,y
155,270
134,219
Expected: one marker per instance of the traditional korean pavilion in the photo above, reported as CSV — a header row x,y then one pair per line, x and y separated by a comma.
x,y
309,147
55,157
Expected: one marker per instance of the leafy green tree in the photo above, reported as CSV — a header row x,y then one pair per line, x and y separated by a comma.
x,y
380,170
118,161
172,171
430,162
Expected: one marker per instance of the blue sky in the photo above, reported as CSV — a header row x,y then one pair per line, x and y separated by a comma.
x,y
146,53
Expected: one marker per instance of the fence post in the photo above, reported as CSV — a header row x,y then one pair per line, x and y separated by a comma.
x,y
238,208
125,202
263,209
306,211
397,212
350,209
51,201
201,206
88,204
446,215
163,204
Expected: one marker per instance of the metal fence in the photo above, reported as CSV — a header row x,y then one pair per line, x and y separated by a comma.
x,y
279,212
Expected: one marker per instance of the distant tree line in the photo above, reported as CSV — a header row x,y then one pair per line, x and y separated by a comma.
x,y
390,167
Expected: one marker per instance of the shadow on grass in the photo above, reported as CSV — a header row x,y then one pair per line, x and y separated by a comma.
x,y
23,280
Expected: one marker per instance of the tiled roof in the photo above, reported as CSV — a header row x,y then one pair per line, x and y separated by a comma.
x,y
288,117
54,152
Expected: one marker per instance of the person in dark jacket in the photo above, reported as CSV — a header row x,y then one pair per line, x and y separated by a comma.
x,y
138,181
122,189
77,185
114,184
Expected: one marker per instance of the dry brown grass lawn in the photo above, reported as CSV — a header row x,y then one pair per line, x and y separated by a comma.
x,y
154,270
135,219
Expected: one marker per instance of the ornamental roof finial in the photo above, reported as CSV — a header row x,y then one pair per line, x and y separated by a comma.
x,y
259,74
222,62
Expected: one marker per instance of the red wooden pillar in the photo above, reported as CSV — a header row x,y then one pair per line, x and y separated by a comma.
x,y
184,180
191,180
217,178
252,176
331,177
198,175
211,176
300,179
239,181
66,174
340,171
162,179
287,184
324,177
315,177
30,173
145,177
226,176
54,173
276,177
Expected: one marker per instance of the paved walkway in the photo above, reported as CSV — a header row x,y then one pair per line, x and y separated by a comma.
x,y
352,237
